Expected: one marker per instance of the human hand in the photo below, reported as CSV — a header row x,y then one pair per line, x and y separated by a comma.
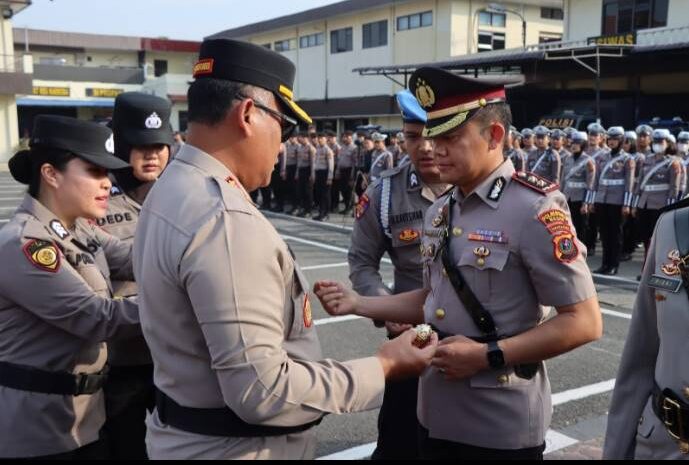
x,y
335,298
459,357
401,359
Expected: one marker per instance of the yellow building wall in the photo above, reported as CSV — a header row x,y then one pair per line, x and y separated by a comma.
x,y
177,62
9,126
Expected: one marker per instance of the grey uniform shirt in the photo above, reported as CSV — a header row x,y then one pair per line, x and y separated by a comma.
x,y
518,158
306,156
291,150
615,179
56,319
531,260
397,231
347,156
578,177
659,183
380,161
120,221
655,352
226,313
545,163
325,160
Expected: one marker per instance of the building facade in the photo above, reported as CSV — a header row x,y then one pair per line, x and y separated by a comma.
x,y
327,43
80,75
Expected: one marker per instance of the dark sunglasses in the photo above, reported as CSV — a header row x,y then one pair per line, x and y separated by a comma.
x,y
287,123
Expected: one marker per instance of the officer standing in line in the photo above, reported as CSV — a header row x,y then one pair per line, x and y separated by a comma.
x,y
335,188
305,177
390,219
569,133
595,133
528,141
513,152
630,229
58,308
364,160
224,306
404,152
649,410
557,144
578,181
394,149
324,169
613,198
143,136
683,154
381,159
346,162
497,249
543,161
288,172
660,176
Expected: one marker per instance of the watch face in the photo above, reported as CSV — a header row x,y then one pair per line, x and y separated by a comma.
x,y
496,358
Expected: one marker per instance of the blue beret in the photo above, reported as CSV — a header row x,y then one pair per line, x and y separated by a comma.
x,y
410,108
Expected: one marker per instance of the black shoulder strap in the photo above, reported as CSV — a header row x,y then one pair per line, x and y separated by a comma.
x,y
478,313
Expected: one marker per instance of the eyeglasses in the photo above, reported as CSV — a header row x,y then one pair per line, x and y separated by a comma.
x,y
287,123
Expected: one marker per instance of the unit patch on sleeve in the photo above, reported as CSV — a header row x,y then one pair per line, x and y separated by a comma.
x,y
308,317
362,206
564,241
43,255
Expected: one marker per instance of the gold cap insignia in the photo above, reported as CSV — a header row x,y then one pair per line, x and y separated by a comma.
x,y
424,94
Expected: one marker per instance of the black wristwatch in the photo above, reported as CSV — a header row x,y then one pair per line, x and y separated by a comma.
x,y
496,359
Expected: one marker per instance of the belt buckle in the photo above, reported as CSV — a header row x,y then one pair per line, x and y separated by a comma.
x,y
669,405
81,382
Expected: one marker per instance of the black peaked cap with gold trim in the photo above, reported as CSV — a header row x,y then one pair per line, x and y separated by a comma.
x,y
239,61
451,100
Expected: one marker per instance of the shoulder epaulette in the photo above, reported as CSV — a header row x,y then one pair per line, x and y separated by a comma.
x,y
535,182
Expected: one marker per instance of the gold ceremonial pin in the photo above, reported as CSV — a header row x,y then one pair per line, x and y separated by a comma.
x,y
481,252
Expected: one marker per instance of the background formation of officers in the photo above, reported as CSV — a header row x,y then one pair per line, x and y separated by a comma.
x,y
103,254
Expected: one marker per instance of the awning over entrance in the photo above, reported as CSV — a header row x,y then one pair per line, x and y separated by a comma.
x,y
60,102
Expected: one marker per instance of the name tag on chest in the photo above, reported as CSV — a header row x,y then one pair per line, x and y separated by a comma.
x,y
665,284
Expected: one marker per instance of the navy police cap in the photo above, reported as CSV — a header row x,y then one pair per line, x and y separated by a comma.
x,y
410,108
239,61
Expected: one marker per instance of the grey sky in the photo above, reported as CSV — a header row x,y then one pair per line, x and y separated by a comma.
x,y
174,19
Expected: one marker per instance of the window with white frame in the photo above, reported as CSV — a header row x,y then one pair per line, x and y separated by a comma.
x,y
312,40
486,18
283,45
415,21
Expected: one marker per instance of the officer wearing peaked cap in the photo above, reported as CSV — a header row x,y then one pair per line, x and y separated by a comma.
x,y
544,161
389,219
513,151
578,181
225,309
497,249
56,295
595,136
527,140
381,158
143,136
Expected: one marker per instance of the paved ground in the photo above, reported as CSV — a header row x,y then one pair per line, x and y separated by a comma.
x,y
582,380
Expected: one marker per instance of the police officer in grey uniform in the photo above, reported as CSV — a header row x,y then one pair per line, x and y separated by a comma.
x,y
306,174
224,306
335,188
390,220
288,172
544,161
528,141
143,136
513,152
658,187
630,229
497,249
613,198
57,301
595,134
381,159
649,414
324,170
346,162
578,181
683,155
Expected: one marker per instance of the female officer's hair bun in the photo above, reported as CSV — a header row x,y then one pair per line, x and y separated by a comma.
x,y
20,166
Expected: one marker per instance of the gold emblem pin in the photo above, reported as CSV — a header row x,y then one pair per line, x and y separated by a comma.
x,y
457,232
481,252
424,94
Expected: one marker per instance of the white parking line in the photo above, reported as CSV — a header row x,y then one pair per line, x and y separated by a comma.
x,y
583,392
328,265
4,221
336,319
626,316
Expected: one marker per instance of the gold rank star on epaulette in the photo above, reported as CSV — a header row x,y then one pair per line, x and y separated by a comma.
x,y
535,182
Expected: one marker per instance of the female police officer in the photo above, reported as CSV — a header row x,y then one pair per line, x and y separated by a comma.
x,y
141,127
56,305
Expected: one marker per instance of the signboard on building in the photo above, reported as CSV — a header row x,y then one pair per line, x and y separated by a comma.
x,y
617,39
105,93
44,91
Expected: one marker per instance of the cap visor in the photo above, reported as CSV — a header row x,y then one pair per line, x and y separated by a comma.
x,y
109,162
295,109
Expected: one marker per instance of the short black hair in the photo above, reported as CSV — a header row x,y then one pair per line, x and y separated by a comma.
x,y
499,112
211,99
39,156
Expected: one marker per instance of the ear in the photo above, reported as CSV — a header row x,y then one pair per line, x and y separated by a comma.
x,y
497,133
50,175
242,116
